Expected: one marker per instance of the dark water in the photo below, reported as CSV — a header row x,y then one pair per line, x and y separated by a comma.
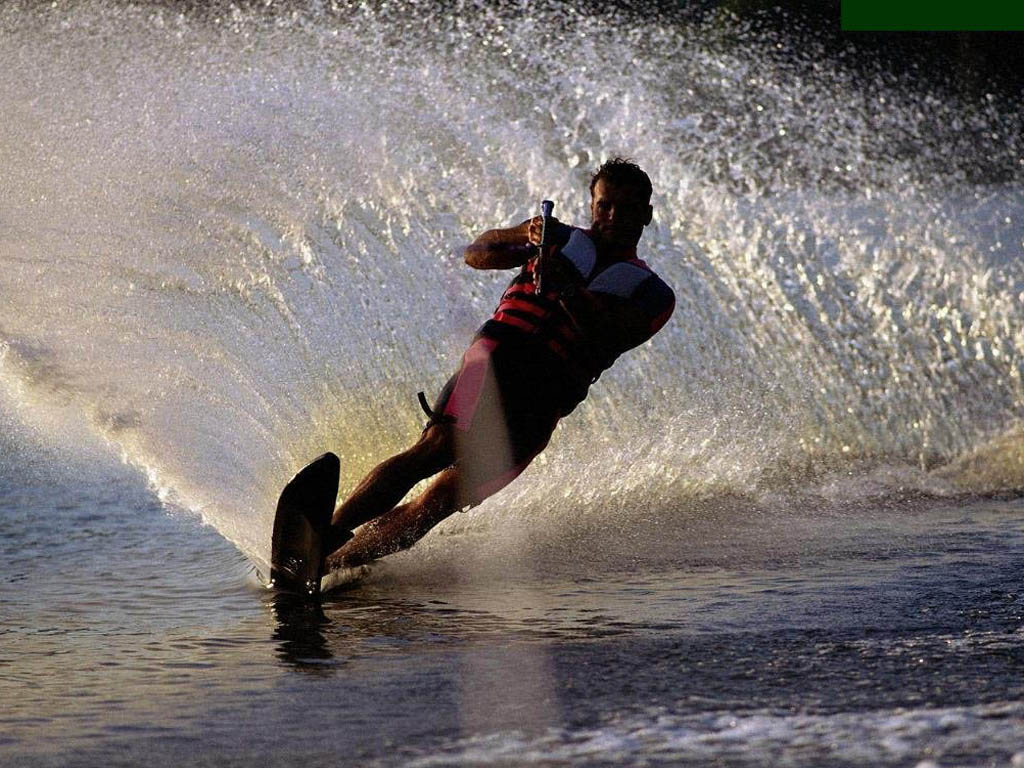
x,y
886,635
787,531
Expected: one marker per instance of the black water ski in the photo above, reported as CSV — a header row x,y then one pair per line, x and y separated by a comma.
x,y
300,525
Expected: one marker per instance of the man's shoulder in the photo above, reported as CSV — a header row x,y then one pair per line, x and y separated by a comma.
x,y
629,277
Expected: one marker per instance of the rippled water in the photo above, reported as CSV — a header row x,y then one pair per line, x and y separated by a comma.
x,y
786,531
887,636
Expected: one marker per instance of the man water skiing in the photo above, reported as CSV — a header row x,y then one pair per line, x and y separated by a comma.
x,y
528,366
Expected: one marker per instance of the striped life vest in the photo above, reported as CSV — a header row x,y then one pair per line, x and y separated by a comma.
x,y
543,318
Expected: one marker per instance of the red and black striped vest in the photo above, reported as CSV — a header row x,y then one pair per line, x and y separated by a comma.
x,y
542,318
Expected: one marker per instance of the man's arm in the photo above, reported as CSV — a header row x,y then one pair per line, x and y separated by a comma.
x,y
513,247
501,248
621,308
610,322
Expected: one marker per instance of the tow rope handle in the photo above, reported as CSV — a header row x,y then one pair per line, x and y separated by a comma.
x,y
433,416
546,209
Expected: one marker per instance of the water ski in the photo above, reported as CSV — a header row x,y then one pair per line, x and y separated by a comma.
x,y
300,525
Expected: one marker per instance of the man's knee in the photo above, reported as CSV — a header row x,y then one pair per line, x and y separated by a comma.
x,y
436,447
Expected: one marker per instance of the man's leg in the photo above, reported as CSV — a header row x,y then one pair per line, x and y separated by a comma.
x,y
496,434
402,526
464,485
390,480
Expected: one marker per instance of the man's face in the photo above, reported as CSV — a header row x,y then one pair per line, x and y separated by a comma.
x,y
618,215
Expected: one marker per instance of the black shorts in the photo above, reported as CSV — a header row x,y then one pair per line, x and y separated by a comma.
x,y
505,400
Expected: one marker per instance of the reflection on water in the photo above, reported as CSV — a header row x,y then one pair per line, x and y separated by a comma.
x,y
299,632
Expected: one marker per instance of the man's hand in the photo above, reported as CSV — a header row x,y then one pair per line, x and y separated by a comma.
x,y
558,233
560,273
551,270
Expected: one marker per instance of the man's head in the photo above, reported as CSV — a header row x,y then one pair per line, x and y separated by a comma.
x,y
620,204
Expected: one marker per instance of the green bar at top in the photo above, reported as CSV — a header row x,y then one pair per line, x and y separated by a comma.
x,y
932,15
